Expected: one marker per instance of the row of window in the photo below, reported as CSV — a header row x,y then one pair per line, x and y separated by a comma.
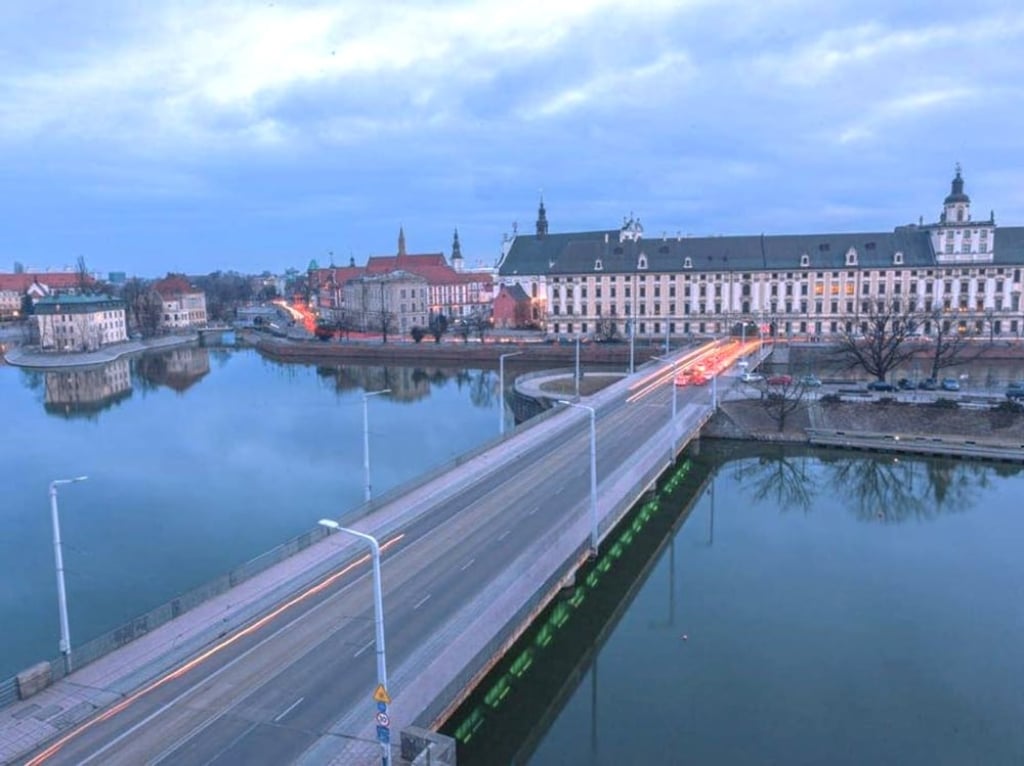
x,y
791,275
802,327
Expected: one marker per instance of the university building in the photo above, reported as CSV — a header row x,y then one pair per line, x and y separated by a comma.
x,y
78,322
961,272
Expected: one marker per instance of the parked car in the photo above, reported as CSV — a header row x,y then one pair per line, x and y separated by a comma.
x,y
950,384
928,384
810,381
905,384
881,385
751,377
780,380
1015,391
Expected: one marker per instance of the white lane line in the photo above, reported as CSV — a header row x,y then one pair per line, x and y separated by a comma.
x,y
504,534
467,565
288,709
422,601
368,645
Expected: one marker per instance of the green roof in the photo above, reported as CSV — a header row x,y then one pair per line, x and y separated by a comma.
x,y
76,304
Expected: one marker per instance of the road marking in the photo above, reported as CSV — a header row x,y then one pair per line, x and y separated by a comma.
x,y
533,511
368,645
183,669
504,535
467,565
288,709
422,601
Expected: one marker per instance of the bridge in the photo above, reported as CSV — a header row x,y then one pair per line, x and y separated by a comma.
x,y
279,669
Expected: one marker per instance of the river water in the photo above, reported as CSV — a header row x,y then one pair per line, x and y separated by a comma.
x,y
804,607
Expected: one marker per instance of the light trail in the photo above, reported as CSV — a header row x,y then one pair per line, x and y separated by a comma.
x,y
106,715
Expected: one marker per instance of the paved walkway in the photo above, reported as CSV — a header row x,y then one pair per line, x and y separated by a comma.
x,y
28,724
22,356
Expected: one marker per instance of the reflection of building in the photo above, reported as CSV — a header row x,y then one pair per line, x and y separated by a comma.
x,y
87,391
957,273
179,368
405,384
183,305
398,297
79,322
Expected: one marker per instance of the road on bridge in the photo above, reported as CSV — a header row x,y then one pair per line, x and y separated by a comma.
x,y
269,693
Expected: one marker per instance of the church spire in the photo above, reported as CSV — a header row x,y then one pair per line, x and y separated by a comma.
x,y
456,252
401,241
542,219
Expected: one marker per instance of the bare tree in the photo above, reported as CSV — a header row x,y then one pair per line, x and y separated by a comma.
x,y
781,396
877,341
82,274
951,346
606,330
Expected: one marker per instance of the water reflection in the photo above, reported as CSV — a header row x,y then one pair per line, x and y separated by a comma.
x,y
875,488
86,392
411,384
178,369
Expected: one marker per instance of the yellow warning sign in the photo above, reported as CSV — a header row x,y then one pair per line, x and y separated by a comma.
x,y
381,694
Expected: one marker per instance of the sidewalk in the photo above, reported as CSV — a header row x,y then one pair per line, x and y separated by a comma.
x,y
19,356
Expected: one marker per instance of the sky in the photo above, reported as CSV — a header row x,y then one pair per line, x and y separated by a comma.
x,y
193,136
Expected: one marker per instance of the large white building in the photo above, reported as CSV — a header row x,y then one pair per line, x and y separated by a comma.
x,y
78,322
958,271
398,297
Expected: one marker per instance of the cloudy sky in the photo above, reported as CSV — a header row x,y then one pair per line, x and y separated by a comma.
x,y
195,136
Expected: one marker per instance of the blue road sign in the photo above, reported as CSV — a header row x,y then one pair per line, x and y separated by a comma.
x,y
382,707
384,735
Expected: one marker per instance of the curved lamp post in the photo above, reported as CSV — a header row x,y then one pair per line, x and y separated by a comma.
x,y
62,598
593,471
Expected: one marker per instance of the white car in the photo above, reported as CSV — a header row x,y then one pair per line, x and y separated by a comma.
x,y
751,377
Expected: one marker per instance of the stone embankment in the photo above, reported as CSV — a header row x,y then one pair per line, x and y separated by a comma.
x,y
908,425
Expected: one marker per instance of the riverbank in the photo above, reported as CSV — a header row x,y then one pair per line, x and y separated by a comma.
x,y
20,356
884,425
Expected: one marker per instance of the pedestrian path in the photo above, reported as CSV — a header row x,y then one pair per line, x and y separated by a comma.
x,y
22,356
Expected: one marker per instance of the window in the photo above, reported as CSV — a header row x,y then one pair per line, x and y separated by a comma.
x,y
687,263
598,266
641,262
805,260
897,259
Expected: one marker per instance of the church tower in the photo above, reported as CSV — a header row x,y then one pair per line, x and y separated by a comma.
x,y
401,241
956,238
457,262
957,205
542,220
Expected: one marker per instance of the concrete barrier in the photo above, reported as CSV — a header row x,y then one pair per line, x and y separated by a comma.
x,y
33,680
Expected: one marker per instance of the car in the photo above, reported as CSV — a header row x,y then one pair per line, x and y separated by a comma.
x,y
1015,391
881,385
699,379
751,377
780,380
683,379
928,384
905,384
950,384
810,381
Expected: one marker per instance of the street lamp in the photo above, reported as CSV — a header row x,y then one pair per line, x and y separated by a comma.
x,y
577,366
378,613
501,389
366,437
62,597
593,471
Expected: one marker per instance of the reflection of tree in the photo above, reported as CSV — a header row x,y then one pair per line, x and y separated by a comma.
x,y
781,477
889,489
482,389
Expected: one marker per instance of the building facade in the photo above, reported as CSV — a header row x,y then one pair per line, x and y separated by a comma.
x,y
957,272
184,306
396,300
78,322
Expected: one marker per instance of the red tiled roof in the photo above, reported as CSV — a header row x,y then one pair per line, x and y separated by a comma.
x,y
431,266
61,280
173,284
339,275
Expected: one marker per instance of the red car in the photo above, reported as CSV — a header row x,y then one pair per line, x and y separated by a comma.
x,y
780,380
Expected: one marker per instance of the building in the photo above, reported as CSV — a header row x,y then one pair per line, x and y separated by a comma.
x,y
962,273
78,322
395,300
184,305
14,288
453,290
512,307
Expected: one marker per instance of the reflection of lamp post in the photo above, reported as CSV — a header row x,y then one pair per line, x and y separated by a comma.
x,y
366,437
593,471
501,389
58,556
378,611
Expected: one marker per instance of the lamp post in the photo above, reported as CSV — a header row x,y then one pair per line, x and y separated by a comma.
x,y
593,471
378,614
501,389
366,437
577,366
58,556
